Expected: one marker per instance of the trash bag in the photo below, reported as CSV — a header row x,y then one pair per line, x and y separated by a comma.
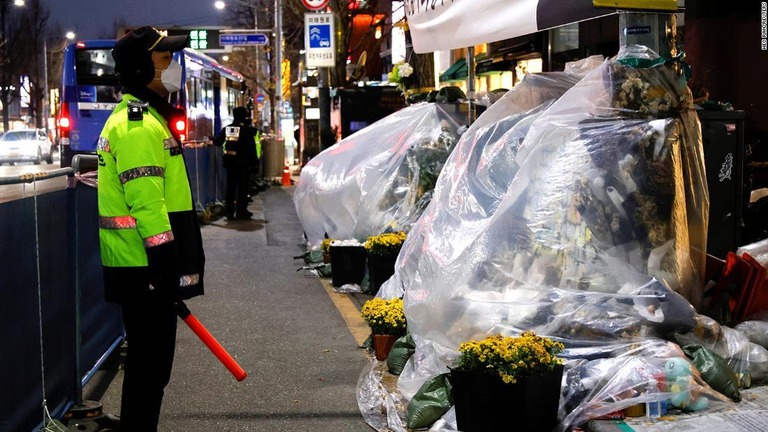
x,y
429,403
755,330
714,371
313,256
400,353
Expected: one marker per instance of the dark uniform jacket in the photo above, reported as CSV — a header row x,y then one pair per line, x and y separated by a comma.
x,y
239,142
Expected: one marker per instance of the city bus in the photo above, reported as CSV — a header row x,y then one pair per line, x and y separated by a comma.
x,y
90,91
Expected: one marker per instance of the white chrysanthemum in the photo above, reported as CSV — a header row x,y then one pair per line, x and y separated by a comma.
x,y
404,70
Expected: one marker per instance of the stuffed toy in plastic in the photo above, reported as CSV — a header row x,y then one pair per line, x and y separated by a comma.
x,y
681,383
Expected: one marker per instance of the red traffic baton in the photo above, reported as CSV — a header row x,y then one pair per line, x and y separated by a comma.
x,y
199,329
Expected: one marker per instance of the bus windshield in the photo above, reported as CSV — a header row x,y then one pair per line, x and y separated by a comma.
x,y
95,75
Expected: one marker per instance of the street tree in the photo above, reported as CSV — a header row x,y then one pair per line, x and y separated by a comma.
x,y
20,39
30,67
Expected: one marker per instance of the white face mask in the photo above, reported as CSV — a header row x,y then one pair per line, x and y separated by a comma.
x,y
171,77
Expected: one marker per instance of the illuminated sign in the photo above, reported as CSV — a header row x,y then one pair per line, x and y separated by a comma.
x,y
198,39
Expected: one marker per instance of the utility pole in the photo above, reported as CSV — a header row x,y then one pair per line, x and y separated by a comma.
x,y
46,106
5,85
278,40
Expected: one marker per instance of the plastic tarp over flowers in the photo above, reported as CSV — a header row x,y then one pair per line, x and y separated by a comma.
x,y
379,178
584,222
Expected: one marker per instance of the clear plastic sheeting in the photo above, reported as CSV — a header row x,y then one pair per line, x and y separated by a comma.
x,y
379,178
733,345
756,330
380,403
758,251
581,216
599,387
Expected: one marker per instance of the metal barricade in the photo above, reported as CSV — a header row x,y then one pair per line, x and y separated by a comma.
x,y
56,327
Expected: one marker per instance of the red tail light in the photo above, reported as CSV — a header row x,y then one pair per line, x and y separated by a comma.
x,y
63,124
180,128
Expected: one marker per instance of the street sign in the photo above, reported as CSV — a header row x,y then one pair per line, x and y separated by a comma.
x,y
319,42
243,39
260,98
315,4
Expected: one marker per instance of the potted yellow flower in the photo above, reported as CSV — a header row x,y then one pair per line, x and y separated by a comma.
x,y
387,321
325,246
504,380
382,253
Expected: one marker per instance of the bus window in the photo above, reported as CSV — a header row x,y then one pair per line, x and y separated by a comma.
x,y
96,70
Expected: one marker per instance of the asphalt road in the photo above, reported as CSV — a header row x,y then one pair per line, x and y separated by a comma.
x,y
282,327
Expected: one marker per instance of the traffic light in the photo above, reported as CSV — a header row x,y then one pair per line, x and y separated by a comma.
x,y
202,39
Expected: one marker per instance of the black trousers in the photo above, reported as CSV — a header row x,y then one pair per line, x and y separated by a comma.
x,y
150,326
238,184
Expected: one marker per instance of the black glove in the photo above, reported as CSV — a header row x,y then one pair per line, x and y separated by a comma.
x,y
164,273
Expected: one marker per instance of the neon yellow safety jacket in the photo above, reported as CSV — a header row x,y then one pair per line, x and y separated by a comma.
x,y
257,140
145,200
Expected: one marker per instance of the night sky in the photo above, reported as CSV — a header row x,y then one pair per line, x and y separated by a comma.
x,y
93,19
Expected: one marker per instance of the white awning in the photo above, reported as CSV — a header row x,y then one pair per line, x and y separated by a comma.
x,y
450,24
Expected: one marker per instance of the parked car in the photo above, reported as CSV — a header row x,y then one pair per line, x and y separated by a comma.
x,y
26,145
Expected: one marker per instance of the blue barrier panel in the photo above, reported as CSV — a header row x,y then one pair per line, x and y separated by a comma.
x,y
101,325
21,373
206,175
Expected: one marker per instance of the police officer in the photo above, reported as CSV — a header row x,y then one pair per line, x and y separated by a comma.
x,y
151,247
240,141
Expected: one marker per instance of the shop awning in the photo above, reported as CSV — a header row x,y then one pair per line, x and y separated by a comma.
x,y
494,66
457,72
439,26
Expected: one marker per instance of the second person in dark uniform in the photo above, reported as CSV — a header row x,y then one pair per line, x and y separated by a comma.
x,y
239,142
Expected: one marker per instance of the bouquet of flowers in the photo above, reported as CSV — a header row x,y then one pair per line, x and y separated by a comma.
x,y
384,316
401,75
510,356
385,244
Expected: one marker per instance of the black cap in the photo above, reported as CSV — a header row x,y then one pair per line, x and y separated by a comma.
x,y
133,54
240,113
146,39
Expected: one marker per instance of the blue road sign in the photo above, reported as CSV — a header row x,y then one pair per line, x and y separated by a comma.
x,y
319,35
243,39
260,97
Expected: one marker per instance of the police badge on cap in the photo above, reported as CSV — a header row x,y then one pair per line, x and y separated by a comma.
x,y
148,39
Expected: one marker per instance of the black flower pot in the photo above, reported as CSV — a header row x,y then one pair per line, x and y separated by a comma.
x,y
484,403
380,269
347,265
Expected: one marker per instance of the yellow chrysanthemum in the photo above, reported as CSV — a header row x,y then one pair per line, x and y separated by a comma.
x,y
385,244
510,357
384,316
